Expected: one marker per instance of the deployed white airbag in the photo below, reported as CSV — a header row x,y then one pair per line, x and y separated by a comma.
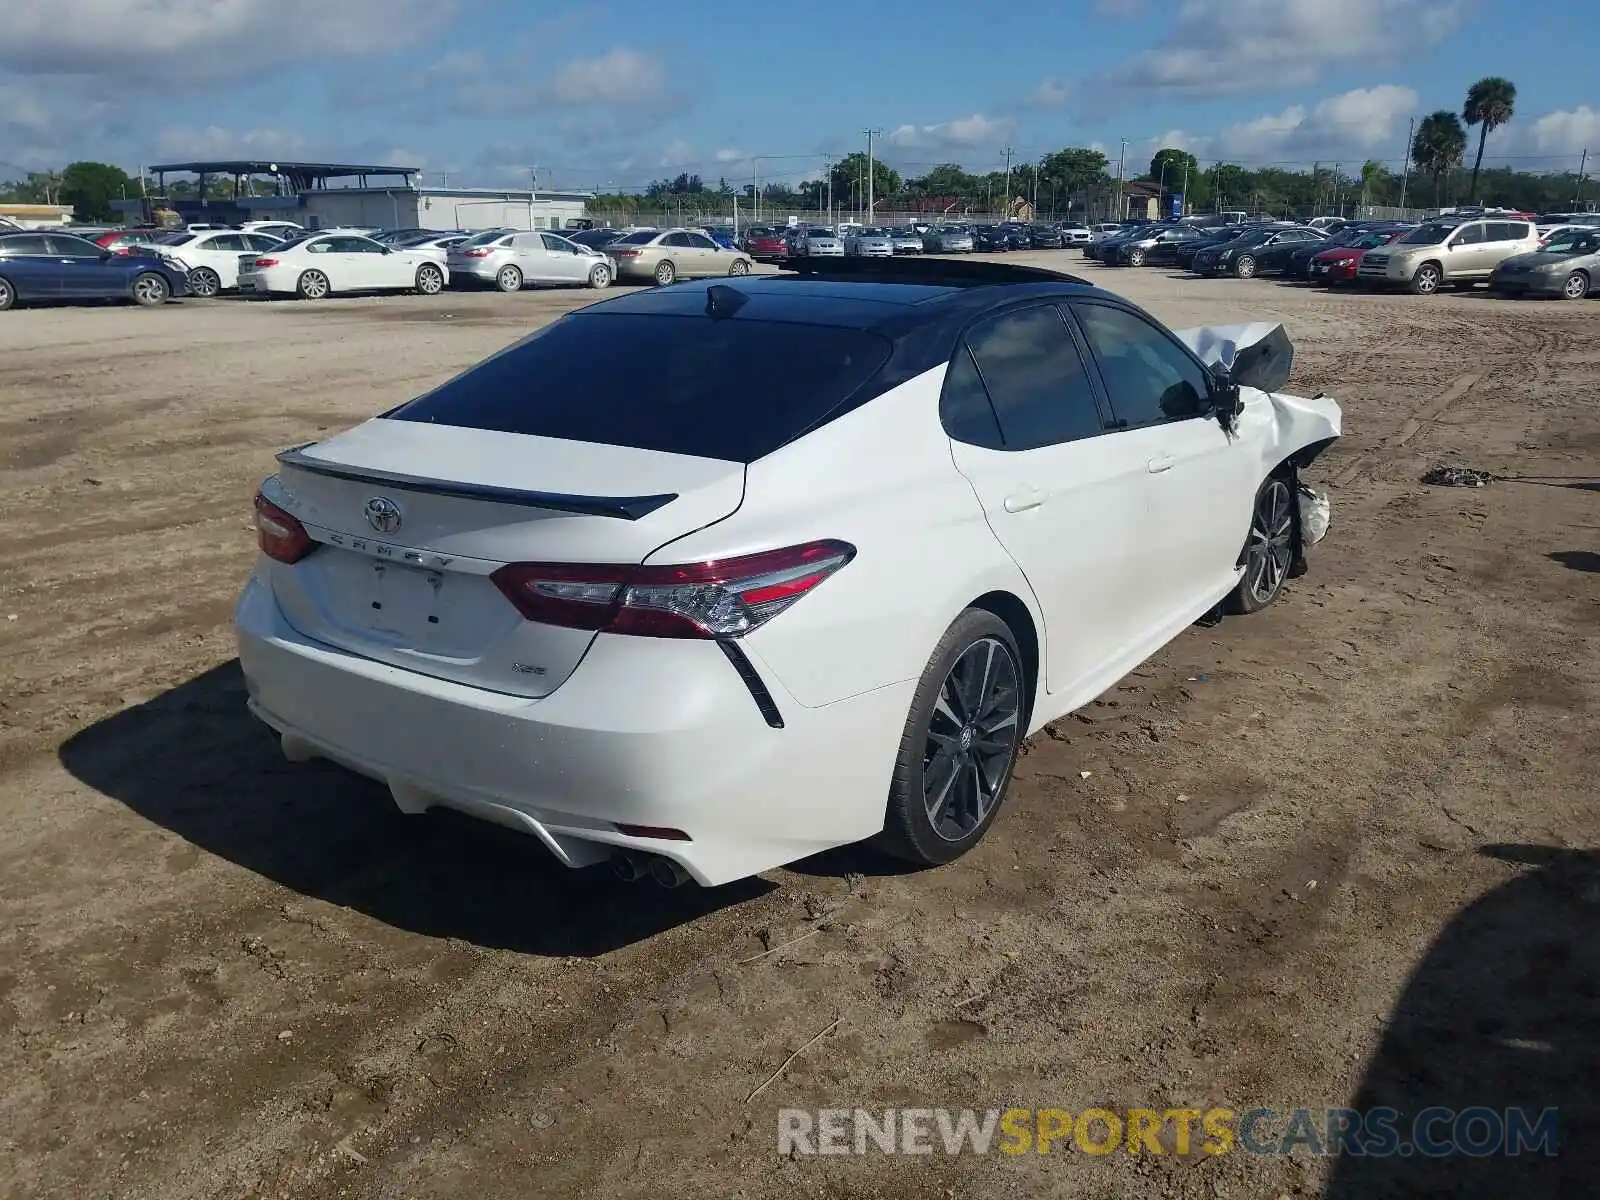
x,y
1256,354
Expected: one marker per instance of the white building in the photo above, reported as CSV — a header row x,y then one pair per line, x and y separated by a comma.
x,y
441,208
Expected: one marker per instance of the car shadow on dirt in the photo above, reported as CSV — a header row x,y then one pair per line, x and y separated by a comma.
x,y
1577,560
194,761
1502,1013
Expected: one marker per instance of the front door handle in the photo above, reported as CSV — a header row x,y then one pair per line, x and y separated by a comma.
x,y
1024,500
1161,462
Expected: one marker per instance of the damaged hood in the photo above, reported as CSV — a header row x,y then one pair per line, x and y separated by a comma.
x,y
1259,355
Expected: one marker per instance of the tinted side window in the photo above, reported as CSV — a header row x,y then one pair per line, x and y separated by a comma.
x,y
1468,235
1035,378
675,384
676,239
28,244
1148,376
69,246
555,244
964,406
1507,231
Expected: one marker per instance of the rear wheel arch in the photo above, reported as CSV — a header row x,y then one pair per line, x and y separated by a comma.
x,y
1009,607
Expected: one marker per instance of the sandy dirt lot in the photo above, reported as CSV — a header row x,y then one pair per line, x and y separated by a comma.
x,y
1331,854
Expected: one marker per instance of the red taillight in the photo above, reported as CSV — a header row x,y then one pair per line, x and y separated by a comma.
x,y
281,536
725,598
625,254
266,262
478,253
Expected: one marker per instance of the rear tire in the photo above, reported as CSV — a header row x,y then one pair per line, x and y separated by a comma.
x,y
312,285
960,745
1270,548
508,279
665,273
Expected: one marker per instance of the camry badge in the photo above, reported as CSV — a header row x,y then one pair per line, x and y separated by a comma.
x,y
382,514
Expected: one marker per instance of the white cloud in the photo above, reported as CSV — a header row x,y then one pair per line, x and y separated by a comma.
x,y
1052,92
213,142
963,133
620,78
1564,132
1355,125
1266,45
728,156
182,40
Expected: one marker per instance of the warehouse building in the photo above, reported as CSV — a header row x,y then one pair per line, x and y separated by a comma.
x,y
325,195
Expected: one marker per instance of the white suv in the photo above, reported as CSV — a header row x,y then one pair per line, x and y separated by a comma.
x,y
1442,252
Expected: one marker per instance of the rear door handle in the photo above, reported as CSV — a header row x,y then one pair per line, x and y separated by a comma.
x,y
1024,500
1160,463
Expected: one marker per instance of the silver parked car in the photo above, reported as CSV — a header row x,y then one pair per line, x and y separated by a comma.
x,y
819,243
437,245
513,259
906,241
948,239
869,243
1567,265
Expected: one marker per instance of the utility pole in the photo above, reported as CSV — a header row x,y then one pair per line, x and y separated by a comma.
x,y
1122,156
869,177
1583,167
1035,200
1183,195
1405,176
1316,188
755,186
828,161
1006,199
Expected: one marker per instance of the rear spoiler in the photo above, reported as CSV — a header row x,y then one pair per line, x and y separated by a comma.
x,y
627,508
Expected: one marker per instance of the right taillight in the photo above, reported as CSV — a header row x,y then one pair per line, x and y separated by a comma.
x,y
281,535
716,599
476,253
625,254
263,263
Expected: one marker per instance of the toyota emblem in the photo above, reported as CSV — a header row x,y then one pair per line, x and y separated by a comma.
x,y
383,514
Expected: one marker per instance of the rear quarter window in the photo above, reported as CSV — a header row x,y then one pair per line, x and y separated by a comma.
x,y
677,384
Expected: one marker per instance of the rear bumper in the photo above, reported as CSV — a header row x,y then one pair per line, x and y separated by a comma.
x,y
647,731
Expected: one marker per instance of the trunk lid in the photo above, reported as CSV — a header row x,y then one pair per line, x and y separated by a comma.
x,y
412,517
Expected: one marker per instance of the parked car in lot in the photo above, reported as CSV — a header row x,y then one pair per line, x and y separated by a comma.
x,y
666,255
818,242
595,239
513,261
766,245
869,243
1183,253
1074,234
36,265
121,241
211,259
318,265
1152,245
1334,265
1442,252
1353,233
282,230
720,235
638,616
906,240
1100,233
1566,265
1242,257
948,239
437,245
1045,237
988,238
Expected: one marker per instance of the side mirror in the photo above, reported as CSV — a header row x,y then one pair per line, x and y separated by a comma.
x,y
107,255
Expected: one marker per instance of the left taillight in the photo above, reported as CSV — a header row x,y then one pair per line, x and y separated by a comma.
x,y
716,599
281,535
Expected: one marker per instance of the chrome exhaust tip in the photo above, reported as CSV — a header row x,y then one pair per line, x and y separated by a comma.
x,y
630,867
668,873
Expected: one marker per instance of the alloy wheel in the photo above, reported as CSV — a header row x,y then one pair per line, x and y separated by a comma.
x,y
430,281
313,285
7,296
1576,287
149,289
203,282
1427,280
1271,542
1246,266
972,739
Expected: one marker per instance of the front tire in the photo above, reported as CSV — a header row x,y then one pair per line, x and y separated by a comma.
x,y
1136,258
960,743
430,280
1427,280
150,290
739,267
508,279
600,276
1269,550
1244,266
8,295
204,282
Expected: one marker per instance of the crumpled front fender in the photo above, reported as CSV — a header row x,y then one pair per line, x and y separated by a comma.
x,y
1258,356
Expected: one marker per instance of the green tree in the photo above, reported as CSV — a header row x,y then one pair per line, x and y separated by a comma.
x,y
90,187
1169,166
1438,147
1490,104
850,179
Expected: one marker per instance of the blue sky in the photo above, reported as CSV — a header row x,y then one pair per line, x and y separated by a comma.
x,y
616,93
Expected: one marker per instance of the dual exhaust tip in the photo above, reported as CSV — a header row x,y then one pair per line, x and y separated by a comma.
x,y
631,867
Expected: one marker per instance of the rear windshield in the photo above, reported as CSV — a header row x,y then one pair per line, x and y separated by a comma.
x,y
677,384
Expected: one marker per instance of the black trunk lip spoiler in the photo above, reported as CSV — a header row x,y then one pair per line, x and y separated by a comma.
x,y
626,508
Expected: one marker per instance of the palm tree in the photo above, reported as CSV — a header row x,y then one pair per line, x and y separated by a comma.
x,y
1490,103
1437,149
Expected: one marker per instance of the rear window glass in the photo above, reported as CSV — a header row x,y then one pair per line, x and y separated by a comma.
x,y
681,385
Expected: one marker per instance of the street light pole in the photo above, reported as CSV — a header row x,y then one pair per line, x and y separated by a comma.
x,y
1122,156
1405,177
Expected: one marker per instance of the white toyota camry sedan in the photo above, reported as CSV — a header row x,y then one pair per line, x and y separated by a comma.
x,y
801,567
315,266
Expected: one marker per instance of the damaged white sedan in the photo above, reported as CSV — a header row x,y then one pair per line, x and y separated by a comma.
x,y
801,567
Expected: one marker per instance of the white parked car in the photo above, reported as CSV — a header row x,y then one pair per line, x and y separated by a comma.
x,y
511,260
634,613
1076,235
318,265
869,243
212,258
1099,233
282,230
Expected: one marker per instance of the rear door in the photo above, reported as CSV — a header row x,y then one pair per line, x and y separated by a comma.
x,y
1468,251
1201,487
34,272
1064,498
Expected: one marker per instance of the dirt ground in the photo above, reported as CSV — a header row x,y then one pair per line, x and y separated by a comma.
x,y
1331,854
